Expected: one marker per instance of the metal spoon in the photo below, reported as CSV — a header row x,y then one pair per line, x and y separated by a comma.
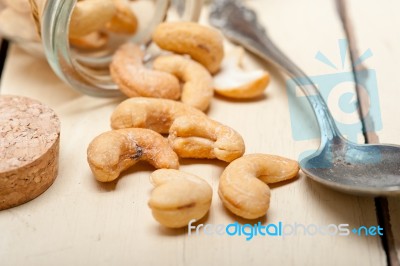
x,y
338,163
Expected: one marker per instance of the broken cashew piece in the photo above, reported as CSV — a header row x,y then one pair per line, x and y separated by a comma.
x,y
89,16
198,89
134,80
242,185
203,44
155,114
112,152
201,137
124,21
233,82
178,197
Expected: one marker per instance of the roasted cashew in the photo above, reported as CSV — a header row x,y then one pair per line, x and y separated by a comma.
x,y
203,44
115,151
124,21
135,80
242,188
21,6
155,114
191,133
37,9
233,82
198,84
89,16
92,41
178,197
16,25
201,137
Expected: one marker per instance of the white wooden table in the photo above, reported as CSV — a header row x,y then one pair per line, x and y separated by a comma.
x,y
81,222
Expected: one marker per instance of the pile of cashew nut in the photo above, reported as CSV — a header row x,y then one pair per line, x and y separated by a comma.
x,y
167,98
164,119
191,54
91,23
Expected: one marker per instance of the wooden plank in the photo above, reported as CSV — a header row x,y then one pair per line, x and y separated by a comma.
x,y
378,37
78,221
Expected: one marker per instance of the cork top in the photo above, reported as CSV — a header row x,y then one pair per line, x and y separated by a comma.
x,y
28,129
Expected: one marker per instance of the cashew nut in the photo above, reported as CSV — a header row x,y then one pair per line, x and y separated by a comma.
x,y
135,80
203,44
178,197
21,6
235,83
124,21
16,25
191,132
37,9
201,137
198,85
92,41
155,114
115,151
242,188
90,15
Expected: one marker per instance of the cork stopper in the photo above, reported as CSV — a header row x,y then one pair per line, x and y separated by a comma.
x,y
29,144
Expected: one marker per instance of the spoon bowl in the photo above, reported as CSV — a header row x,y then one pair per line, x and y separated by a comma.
x,y
359,169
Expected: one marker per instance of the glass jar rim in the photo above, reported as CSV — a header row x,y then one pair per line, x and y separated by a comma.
x,y
73,68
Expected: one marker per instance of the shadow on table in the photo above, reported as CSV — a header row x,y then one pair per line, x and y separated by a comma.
x,y
337,204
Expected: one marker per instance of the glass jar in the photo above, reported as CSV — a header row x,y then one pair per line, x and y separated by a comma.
x,y
85,70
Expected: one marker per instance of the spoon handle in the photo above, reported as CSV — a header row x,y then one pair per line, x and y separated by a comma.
x,y
240,24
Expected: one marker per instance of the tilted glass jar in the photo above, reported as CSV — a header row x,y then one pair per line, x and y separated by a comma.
x,y
86,71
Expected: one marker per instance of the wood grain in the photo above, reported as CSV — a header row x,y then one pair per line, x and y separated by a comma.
x,y
79,221
378,37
